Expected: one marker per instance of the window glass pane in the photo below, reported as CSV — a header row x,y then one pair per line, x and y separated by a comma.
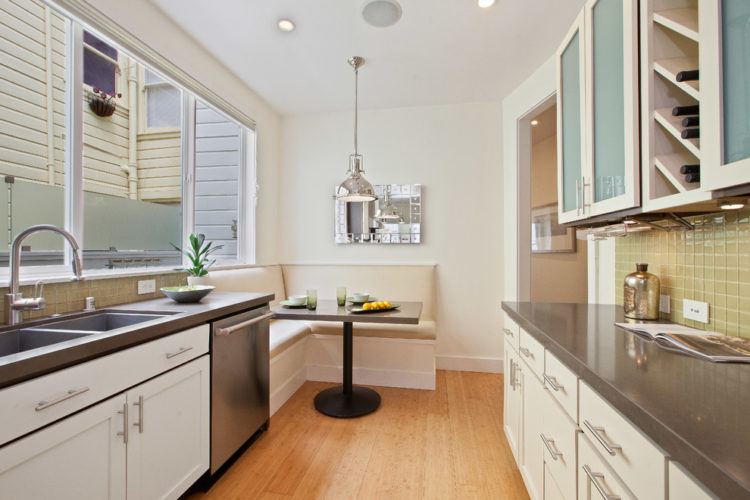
x,y
132,186
99,72
163,106
735,31
32,129
217,179
571,122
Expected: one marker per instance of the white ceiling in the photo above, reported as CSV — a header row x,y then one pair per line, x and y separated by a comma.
x,y
440,52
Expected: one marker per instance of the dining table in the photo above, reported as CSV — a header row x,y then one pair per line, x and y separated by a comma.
x,y
348,400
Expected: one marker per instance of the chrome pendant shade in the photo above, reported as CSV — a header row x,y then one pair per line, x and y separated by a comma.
x,y
355,187
388,212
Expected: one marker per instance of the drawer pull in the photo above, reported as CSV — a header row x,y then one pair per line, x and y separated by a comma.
x,y
525,351
124,413
594,477
228,330
179,351
508,332
552,381
598,433
42,405
550,445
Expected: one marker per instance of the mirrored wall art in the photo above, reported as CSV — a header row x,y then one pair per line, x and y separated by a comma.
x,y
394,218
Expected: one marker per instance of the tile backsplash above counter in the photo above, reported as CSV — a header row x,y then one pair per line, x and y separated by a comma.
x,y
709,264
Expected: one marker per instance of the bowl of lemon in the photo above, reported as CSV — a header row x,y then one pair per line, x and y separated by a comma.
x,y
373,307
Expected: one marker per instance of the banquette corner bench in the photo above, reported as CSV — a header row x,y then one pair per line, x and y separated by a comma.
x,y
385,355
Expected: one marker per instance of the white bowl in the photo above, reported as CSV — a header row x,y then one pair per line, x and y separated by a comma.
x,y
297,300
361,296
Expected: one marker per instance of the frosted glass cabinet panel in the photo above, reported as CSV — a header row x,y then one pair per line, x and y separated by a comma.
x,y
612,105
570,123
725,94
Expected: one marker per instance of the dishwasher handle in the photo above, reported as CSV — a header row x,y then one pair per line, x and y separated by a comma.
x,y
223,332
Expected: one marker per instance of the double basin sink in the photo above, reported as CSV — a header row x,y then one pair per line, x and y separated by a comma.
x,y
62,330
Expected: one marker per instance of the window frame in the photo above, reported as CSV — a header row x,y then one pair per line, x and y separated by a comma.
x,y
116,63
74,186
143,87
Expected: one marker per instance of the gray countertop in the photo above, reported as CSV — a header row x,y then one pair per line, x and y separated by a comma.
x,y
328,310
695,410
29,364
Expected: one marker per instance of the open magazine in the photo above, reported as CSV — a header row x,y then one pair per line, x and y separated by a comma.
x,y
708,345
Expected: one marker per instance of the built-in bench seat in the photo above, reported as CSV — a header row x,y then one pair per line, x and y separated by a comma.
x,y
391,355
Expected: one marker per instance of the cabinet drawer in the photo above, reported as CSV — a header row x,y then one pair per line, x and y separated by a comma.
x,y
639,463
562,384
43,400
532,352
559,441
551,489
596,479
682,485
511,331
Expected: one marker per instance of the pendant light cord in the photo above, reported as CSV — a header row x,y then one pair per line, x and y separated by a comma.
x,y
356,85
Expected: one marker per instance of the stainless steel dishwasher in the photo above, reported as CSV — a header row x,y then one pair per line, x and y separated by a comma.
x,y
239,382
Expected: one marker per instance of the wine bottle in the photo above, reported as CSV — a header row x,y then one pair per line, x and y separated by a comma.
x,y
687,75
685,110
692,178
691,133
691,121
690,169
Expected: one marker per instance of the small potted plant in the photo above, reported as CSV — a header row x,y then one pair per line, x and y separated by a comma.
x,y
101,103
199,255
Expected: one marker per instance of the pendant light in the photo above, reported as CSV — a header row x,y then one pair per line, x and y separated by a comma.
x,y
355,187
388,212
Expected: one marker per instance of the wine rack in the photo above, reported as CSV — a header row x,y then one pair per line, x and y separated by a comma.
x,y
670,104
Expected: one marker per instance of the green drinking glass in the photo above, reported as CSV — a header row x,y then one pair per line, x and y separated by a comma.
x,y
312,299
341,296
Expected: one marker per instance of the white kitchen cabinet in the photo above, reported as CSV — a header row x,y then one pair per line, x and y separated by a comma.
x,y
532,457
596,480
683,486
83,456
512,399
168,448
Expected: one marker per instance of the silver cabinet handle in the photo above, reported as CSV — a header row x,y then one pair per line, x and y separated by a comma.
x,y
512,374
124,413
550,445
584,185
179,351
525,351
223,332
552,381
508,333
42,405
594,477
139,424
598,433
578,196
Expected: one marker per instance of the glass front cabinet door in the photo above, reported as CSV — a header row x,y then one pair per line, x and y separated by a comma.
x,y
725,93
571,151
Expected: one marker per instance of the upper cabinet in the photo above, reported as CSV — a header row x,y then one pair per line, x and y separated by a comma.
x,y
598,161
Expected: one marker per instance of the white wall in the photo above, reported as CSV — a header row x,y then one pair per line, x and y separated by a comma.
x,y
454,151
144,20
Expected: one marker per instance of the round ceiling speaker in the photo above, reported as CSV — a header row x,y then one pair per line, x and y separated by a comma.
x,y
381,13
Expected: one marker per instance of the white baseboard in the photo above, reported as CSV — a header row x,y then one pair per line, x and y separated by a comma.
x,y
374,376
287,389
469,364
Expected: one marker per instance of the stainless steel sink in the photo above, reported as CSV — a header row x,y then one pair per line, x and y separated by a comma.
x,y
103,321
25,339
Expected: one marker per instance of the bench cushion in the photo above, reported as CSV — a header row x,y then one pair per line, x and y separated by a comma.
x,y
249,279
286,332
425,330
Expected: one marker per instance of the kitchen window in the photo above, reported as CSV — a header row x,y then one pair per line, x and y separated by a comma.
x,y
128,182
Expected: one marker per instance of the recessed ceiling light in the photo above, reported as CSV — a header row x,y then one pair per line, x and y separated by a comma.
x,y
534,123
732,206
286,25
382,13
630,222
485,4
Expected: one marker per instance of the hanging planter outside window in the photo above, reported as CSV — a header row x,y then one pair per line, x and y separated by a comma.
x,y
101,103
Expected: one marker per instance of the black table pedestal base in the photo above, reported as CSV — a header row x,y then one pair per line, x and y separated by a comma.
x,y
334,403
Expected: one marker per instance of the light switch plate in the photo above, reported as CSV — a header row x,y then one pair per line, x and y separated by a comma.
x,y
146,286
664,304
695,310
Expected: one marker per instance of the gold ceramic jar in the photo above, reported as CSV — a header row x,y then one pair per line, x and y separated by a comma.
x,y
641,295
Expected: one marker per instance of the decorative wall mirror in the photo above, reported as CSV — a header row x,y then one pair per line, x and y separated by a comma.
x,y
394,218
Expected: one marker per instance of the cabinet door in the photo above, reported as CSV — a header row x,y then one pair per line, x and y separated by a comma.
x,y
725,94
512,400
571,151
82,456
168,448
611,125
532,461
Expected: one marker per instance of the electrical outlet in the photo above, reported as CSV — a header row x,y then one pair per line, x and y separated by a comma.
x,y
146,286
695,310
664,304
